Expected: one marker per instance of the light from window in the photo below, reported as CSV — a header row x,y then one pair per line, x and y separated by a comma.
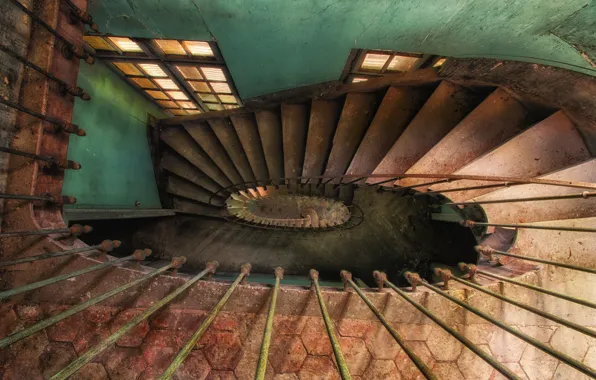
x,y
189,72
178,112
200,86
200,48
214,107
213,73
221,88
153,70
208,98
127,68
227,99
168,104
167,84
159,95
170,47
374,61
440,62
98,43
126,44
359,79
230,106
187,105
401,63
193,112
177,95
143,82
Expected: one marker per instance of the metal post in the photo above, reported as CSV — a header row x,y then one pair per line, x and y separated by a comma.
x,y
382,279
51,161
471,223
584,195
105,246
59,125
534,342
466,267
74,230
139,255
544,314
466,189
488,251
64,87
70,48
78,363
186,350
339,357
347,278
82,16
61,200
264,353
176,262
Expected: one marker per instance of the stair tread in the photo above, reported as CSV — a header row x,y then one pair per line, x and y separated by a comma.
x,y
269,126
294,121
446,107
498,118
186,189
182,168
224,130
324,115
550,145
398,107
246,129
187,206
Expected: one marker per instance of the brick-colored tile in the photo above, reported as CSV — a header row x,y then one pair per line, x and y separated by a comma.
x,y
221,375
538,365
356,328
195,367
90,371
442,345
123,363
380,343
382,370
100,314
315,338
289,324
447,371
56,356
355,353
406,366
506,347
473,366
287,353
319,368
221,348
134,337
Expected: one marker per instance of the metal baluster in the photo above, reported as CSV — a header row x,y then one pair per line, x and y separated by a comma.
x,y
264,353
61,200
584,195
471,223
51,161
74,230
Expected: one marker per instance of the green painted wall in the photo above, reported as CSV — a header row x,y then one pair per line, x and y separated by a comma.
x,y
117,169
272,45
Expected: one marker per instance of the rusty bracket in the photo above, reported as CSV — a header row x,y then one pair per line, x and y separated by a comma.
x,y
59,200
279,273
67,127
381,278
472,269
140,255
313,274
245,270
414,279
346,276
177,262
109,245
490,253
76,15
445,276
212,266
467,223
77,229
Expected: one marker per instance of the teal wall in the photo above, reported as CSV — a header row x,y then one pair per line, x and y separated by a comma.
x,y
272,45
116,163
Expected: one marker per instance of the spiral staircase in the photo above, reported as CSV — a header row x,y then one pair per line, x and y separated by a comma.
x,y
518,172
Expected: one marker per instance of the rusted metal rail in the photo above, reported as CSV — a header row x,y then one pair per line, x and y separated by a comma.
x,y
582,195
82,16
471,223
49,160
60,200
74,230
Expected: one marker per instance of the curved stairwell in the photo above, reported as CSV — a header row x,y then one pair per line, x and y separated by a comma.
x,y
420,129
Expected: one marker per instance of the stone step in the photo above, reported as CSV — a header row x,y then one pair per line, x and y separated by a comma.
x,y
204,136
324,115
183,188
294,121
224,130
176,164
397,109
445,108
178,139
246,129
498,118
269,125
550,145
187,206
358,111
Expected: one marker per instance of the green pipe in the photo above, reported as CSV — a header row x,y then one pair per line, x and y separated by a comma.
x,y
347,277
78,308
539,289
53,280
382,278
544,314
78,363
534,342
187,349
105,246
488,251
339,357
263,355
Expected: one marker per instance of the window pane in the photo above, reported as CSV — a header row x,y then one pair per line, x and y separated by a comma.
x,y
440,62
227,99
359,79
178,112
157,95
208,98
200,86
127,68
214,107
126,44
167,84
170,47
177,95
230,106
143,82
193,112
98,43
213,73
168,104
221,88
201,48
153,70
401,63
187,105
189,72
374,61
